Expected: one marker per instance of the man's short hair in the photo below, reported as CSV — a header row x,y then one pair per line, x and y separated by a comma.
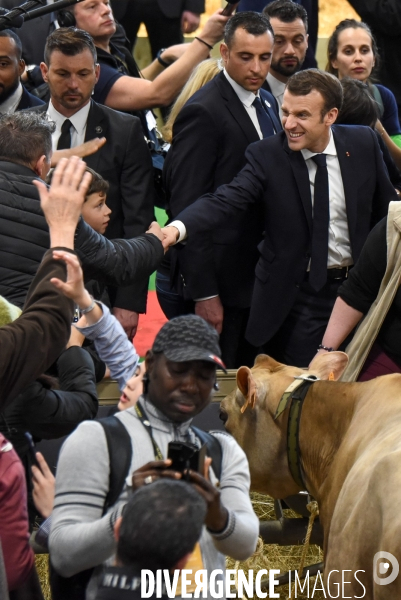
x,y
304,82
9,33
286,11
253,22
69,41
162,523
359,108
25,137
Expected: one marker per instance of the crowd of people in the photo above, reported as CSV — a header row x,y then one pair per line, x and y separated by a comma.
x,y
280,183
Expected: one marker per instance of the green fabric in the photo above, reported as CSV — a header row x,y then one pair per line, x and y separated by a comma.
x,y
396,139
161,218
8,312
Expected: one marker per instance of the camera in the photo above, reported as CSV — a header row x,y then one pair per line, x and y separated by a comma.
x,y
186,456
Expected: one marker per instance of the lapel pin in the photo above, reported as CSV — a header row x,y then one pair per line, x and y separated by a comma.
x,y
98,129
347,154
267,104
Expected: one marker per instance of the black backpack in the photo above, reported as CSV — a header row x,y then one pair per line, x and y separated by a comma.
x,y
118,441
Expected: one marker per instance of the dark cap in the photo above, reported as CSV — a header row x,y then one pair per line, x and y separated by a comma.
x,y
189,337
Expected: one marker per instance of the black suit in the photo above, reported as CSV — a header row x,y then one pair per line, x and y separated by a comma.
x,y
277,178
124,161
210,137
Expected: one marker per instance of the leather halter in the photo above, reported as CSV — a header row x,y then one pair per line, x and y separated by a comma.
x,y
294,396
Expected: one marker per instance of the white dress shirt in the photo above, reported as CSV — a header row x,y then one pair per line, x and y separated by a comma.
x,y
247,98
9,106
78,128
339,243
277,87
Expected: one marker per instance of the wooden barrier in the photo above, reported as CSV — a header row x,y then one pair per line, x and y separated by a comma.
x,y
109,393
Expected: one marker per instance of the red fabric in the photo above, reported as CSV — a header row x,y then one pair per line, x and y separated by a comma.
x,y
378,363
149,325
14,530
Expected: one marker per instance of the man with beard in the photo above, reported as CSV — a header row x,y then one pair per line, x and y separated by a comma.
x,y
13,95
290,26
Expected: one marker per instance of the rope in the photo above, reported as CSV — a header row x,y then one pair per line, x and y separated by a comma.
x,y
314,511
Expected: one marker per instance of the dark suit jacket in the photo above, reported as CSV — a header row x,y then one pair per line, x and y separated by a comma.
x,y
277,178
28,100
124,161
174,8
210,137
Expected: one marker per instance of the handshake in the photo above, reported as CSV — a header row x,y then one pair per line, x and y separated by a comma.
x,y
167,235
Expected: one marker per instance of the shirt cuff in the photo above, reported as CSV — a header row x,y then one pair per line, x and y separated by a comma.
x,y
42,535
227,531
181,229
96,328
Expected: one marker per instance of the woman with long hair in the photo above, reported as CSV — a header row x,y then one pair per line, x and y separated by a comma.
x,y
352,52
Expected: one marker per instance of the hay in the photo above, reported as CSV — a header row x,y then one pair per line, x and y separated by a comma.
x,y
42,567
267,556
272,556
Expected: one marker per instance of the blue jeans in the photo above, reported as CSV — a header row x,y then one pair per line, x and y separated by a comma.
x,y
171,303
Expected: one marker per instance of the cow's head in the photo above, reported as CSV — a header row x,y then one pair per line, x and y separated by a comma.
x,y
249,411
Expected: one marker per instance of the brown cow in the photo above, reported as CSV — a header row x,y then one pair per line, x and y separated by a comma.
x,y
350,449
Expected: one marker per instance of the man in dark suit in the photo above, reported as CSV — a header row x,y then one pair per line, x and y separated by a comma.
x,y
166,20
210,136
13,95
124,161
322,188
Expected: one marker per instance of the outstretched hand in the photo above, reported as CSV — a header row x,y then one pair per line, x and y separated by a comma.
x,y
85,149
170,236
155,228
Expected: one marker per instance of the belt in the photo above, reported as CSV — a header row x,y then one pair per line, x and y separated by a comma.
x,y
337,273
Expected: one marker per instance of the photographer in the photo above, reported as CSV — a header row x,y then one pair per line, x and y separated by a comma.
x,y
180,375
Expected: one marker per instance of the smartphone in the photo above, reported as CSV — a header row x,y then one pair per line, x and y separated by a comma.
x,y
31,449
229,9
186,456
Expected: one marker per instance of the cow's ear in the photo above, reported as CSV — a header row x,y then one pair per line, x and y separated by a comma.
x,y
329,366
247,387
266,362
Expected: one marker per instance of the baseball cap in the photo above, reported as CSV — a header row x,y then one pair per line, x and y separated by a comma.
x,y
189,337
